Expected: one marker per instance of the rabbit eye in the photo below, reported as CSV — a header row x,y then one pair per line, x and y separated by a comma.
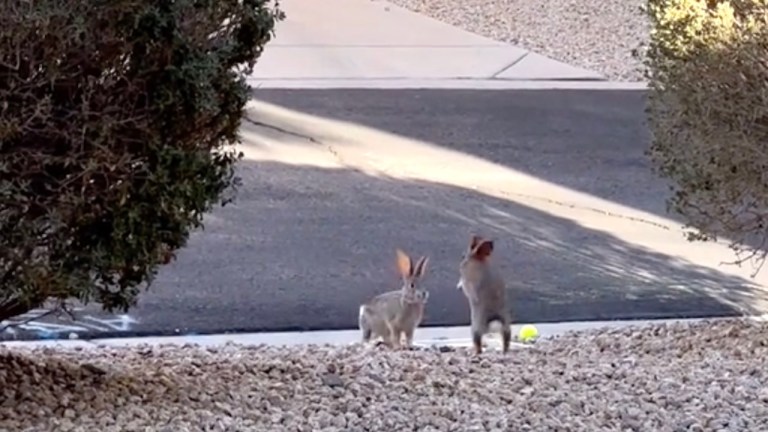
x,y
413,285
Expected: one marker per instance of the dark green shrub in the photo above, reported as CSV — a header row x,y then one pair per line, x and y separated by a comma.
x,y
707,65
117,125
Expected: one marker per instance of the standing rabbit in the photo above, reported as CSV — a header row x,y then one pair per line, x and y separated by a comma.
x,y
396,313
485,291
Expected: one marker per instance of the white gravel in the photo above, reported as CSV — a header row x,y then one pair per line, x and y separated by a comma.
x,y
696,377
598,35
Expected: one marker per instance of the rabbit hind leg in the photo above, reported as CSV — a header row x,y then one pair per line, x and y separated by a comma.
x,y
409,337
393,336
479,327
506,338
478,331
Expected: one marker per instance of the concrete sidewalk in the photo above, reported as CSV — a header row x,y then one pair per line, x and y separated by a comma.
x,y
348,43
457,336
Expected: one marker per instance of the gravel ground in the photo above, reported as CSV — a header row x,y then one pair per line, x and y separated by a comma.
x,y
685,377
599,35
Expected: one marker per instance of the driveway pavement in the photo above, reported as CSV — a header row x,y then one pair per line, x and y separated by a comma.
x,y
340,178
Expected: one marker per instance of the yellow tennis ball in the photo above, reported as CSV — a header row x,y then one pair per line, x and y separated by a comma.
x,y
528,333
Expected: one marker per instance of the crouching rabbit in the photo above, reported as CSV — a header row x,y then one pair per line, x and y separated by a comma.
x,y
397,313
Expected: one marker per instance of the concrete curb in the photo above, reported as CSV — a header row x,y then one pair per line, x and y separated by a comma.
x,y
431,336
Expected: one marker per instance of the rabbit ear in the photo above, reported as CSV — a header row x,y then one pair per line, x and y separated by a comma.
x,y
421,266
483,250
474,241
404,265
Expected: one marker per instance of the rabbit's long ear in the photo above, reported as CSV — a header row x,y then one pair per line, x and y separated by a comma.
x,y
404,264
483,250
474,241
421,266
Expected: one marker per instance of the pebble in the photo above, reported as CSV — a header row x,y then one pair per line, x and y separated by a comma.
x,y
333,380
582,382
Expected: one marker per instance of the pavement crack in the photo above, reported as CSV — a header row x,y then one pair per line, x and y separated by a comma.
x,y
509,66
281,130
340,159
309,138
592,209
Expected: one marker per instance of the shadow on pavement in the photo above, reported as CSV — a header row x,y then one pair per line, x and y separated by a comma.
x,y
587,140
303,246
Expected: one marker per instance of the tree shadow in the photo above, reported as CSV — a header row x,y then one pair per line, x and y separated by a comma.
x,y
587,140
302,247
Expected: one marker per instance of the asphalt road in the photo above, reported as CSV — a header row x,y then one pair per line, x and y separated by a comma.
x,y
303,246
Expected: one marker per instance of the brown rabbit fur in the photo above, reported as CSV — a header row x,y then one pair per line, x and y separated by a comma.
x,y
486,292
397,313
